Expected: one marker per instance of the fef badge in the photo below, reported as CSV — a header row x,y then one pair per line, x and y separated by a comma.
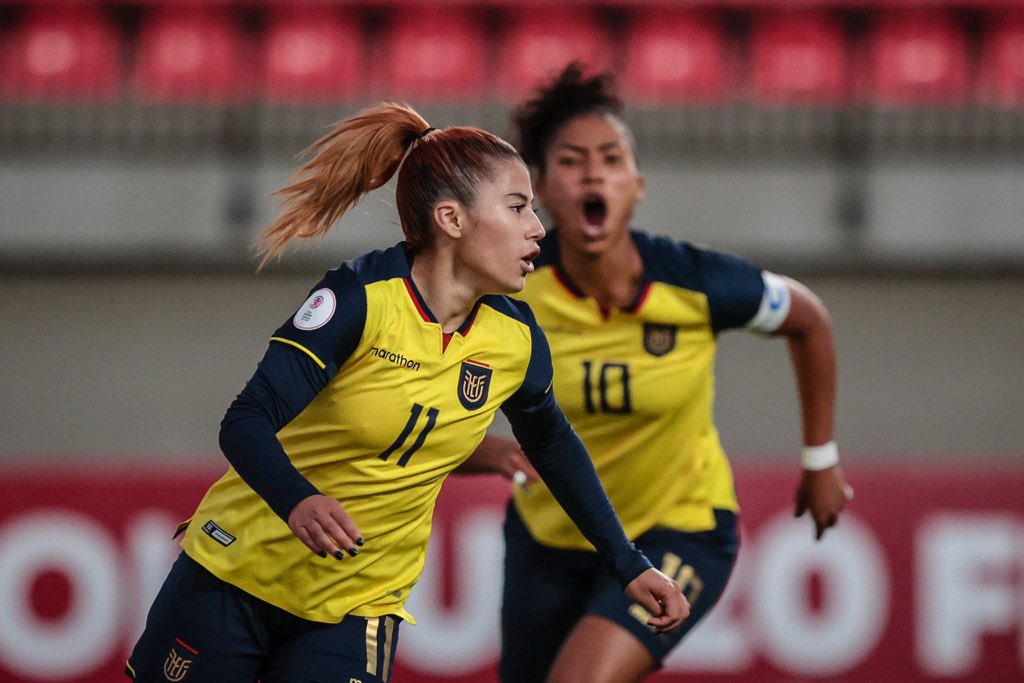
x,y
474,381
175,666
659,339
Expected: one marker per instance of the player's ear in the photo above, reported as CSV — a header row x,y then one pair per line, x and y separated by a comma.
x,y
641,183
450,217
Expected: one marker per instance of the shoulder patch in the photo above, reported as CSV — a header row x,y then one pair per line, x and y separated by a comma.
x,y
317,311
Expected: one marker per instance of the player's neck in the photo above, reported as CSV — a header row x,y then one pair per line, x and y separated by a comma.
x,y
449,300
612,278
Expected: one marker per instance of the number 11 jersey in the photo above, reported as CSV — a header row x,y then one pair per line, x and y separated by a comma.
x,y
404,405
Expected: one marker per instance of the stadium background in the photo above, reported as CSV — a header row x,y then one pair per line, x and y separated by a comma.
x,y
872,148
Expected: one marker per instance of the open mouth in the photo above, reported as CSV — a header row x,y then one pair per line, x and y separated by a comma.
x,y
527,261
595,211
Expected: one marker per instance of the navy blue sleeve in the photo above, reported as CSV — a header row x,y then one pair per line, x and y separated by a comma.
x,y
330,323
558,455
734,288
732,285
287,380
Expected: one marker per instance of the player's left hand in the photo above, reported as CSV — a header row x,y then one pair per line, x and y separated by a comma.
x,y
659,595
823,493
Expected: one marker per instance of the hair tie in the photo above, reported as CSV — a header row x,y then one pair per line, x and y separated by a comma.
x,y
426,131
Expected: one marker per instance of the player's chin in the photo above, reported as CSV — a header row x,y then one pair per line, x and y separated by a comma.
x,y
511,284
517,284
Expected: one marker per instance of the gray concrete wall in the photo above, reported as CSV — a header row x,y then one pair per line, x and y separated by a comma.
x,y
916,211
121,365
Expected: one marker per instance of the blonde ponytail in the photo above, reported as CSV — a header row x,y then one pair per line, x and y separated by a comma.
x,y
360,154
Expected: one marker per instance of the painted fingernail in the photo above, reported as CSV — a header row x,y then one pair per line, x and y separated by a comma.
x,y
353,552
338,555
322,553
360,541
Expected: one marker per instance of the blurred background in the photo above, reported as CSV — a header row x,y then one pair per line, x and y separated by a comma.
x,y
873,149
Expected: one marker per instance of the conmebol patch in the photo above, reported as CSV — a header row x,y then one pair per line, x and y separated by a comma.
x,y
317,311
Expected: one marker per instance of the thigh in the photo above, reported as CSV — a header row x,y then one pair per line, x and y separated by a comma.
x,y
601,651
357,650
199,627
544,595
701,563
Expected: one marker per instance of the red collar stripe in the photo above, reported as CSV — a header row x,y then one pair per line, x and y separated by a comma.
x,y
414,295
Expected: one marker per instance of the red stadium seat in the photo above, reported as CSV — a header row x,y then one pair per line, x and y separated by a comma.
x,y
61,54
312,56
536,45
1002,61
798,58
432,54
676,56
917,58
190,54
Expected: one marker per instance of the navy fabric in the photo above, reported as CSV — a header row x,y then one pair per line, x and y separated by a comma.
x,y
285,382
334,341
220,633
547,590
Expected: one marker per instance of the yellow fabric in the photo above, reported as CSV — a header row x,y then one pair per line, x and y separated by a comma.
x,y
336,443
656,450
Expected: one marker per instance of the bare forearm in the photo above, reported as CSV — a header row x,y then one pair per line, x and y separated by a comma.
x,y
808,331
492,456
814,362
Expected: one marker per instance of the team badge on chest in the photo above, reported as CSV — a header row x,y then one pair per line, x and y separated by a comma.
x,y
659,339
474,382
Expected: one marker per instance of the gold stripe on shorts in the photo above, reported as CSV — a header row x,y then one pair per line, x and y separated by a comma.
x,y
372,625
389,630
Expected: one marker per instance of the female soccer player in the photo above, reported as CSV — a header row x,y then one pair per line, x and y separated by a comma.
x,y
299,560
632,320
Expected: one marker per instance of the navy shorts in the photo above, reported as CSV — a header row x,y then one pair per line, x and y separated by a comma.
x,y
548,590
203,630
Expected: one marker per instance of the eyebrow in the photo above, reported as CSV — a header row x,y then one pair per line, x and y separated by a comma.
x,y
518,195
603,147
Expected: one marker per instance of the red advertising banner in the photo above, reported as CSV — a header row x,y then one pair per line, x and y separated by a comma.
x,y
922,580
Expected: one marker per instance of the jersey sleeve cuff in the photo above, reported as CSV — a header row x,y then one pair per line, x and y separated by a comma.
x,y
630,565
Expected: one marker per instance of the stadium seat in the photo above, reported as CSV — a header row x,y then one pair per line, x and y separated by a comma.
x,y
535,45
1002,61
190,54
433,55
67,53
917,57
674,57
312,55
798,58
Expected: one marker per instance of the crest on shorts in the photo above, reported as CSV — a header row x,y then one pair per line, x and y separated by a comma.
x,y
474,382
176,666
659,339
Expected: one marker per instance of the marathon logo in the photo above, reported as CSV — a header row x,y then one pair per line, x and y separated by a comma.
x,y
396,358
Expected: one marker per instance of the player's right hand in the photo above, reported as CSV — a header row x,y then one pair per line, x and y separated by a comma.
x,y
323,525
659,595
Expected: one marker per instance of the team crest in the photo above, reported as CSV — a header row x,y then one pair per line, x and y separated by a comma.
x,y
474,382
175,666
659,339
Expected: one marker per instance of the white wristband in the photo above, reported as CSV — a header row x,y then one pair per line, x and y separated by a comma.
x,y
820,457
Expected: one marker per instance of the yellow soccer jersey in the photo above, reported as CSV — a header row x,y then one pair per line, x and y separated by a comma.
x,y
638,384
404,405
